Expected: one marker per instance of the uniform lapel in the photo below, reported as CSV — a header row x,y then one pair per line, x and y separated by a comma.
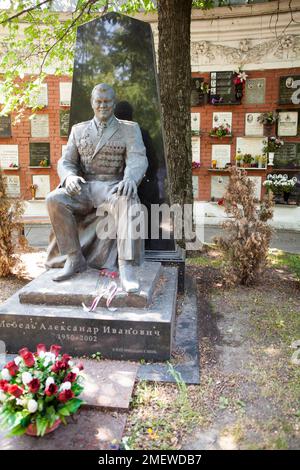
x,y
107,134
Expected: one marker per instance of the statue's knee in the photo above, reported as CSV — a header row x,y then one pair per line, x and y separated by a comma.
x,y
52,198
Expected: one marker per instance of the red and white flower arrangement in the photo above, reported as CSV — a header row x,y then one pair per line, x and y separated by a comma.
x,y
39,389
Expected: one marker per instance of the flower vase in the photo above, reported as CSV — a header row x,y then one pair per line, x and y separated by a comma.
x,y
286,196
271,159
31,430
33,193
268,130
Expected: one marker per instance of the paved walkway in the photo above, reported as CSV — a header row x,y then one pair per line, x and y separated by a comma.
x,y
285,240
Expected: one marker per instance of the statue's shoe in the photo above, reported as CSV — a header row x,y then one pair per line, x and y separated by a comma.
x,y
128,277
73,265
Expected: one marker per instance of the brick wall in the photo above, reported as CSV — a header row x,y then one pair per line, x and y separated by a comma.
x,y
21,135
238,125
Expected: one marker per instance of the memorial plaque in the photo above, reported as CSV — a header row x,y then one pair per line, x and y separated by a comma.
x,y
5,126
12,185
288,156
195,123
39,97
287,123
39,125
254,146
257,186
222,119
197,95
289,89
43,185
119,50
9,156
253,126
221,154
195,186
196,149
222,88
255,90
64,119
65,91
39,151
218,186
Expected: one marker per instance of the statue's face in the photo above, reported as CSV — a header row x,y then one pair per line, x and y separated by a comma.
x,y
103,105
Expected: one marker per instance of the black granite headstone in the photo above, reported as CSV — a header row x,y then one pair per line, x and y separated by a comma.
x,y
39,151
119,50
288,156
287,89
5,126
222,88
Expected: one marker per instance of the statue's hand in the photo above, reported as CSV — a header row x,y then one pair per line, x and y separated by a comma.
x,y
126,187
72,184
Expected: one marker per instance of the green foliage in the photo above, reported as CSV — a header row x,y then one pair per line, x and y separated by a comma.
x,y
36,37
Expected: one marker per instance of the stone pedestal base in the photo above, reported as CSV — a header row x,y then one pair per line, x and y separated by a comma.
x,y
131,333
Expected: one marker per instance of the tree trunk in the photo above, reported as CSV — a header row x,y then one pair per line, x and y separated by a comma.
x,y
174,19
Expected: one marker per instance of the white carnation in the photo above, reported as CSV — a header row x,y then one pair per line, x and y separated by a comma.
x,y
2,395
49,358
17,360
42,354
49,381
65,386
71,363
5,374
32,406
26,378
20,401
75,370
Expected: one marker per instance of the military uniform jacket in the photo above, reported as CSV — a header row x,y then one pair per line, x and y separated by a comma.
x,y
118,153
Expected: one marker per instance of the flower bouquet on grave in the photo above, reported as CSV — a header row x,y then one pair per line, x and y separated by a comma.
x,y
220,131
279,184
239,78
38,390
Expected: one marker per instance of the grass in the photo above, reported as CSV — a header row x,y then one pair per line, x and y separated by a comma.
x,y
161,414
280,259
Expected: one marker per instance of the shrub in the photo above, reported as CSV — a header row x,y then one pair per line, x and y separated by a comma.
x,y
10,220
247,234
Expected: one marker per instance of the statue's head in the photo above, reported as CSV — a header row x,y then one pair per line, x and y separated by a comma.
x,y
103,101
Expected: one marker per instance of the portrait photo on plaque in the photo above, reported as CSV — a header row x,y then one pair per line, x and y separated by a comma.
x,y
252,126
255,90
289,89
287,124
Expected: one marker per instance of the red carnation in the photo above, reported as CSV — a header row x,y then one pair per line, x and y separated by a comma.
x,y
34,385
65,395
23,351
70,377
58,366
51,390
66,357
12,368
4,385
28,358
40,348
55,349
15,390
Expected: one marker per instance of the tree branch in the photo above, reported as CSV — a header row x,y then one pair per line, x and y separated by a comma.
x,y
26,10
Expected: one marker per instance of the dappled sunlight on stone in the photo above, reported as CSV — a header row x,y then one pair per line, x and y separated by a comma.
x,y
34,263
